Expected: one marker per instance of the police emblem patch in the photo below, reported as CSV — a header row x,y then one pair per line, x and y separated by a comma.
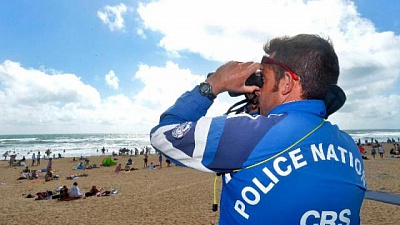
x,y
181,130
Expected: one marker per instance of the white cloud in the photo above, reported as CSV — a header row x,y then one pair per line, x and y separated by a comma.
x,y
51,101
112,16
163,85
32,87
35,102
236,30
29,96
112,80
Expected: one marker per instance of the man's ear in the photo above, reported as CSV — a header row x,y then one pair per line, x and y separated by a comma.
x,y
287,83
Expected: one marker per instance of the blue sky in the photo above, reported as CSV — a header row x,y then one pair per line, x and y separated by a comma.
x,y
115,66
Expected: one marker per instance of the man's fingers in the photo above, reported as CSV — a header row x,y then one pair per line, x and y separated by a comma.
x,y
250,89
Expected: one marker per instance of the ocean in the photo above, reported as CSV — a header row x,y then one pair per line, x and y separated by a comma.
x,y
71,145
76,145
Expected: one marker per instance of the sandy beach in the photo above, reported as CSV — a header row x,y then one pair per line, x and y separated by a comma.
x,y
171,195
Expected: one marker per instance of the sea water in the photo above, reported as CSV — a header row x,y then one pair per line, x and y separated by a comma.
x,y
76,145
71,145
381,135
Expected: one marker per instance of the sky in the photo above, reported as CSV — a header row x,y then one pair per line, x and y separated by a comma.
x,y
107,66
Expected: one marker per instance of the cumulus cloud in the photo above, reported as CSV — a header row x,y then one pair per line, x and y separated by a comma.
x,y
32,87
112,80
47,100
33,101
163,85
30,96
169,79
112,16
236,30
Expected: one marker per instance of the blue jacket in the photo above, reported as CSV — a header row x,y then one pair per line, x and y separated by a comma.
x,y
289,167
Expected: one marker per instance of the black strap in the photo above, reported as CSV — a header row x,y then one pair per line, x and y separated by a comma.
x,y
234,109
245,103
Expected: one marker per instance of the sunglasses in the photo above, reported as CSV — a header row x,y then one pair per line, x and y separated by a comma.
x,y
268,60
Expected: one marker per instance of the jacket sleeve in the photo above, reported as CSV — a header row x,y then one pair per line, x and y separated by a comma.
x,y
207,144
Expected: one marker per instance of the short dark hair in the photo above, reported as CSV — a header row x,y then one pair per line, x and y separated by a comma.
x,y
75,183
311,57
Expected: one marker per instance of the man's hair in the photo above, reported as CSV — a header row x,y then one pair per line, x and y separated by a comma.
x,y
311,57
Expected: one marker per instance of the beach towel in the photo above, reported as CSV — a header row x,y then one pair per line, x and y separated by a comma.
x,y
383,197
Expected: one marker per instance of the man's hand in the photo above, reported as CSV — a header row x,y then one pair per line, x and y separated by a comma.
x,y
232,76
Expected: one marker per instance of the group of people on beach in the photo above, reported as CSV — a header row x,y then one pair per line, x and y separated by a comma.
x,y
34,174
125,151
152,166
377,148
63,193
395,151
28,174
13,159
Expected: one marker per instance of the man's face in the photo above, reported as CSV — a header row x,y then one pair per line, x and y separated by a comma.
x,y
275,92
268,95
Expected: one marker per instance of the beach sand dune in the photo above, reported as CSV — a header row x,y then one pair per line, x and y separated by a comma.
x,y
171,195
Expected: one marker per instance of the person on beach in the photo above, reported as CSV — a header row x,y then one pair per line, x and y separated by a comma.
x,y
21,162
80,166
33,159
49,164
272,162
118,168
168,162
5,155
145,159
38,159
129,162
25,174
87,162
74,191
93,191
47,152
127,168
152,166
12,159
373,151
381,151
160,159
34,175
63,193
26,170
48,176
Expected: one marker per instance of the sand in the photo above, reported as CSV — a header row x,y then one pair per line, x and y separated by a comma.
x,y
171,195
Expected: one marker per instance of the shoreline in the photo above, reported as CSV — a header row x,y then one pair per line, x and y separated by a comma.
x,y
67,154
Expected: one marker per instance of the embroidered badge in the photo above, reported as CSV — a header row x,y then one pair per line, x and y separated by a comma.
x,y
181,130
